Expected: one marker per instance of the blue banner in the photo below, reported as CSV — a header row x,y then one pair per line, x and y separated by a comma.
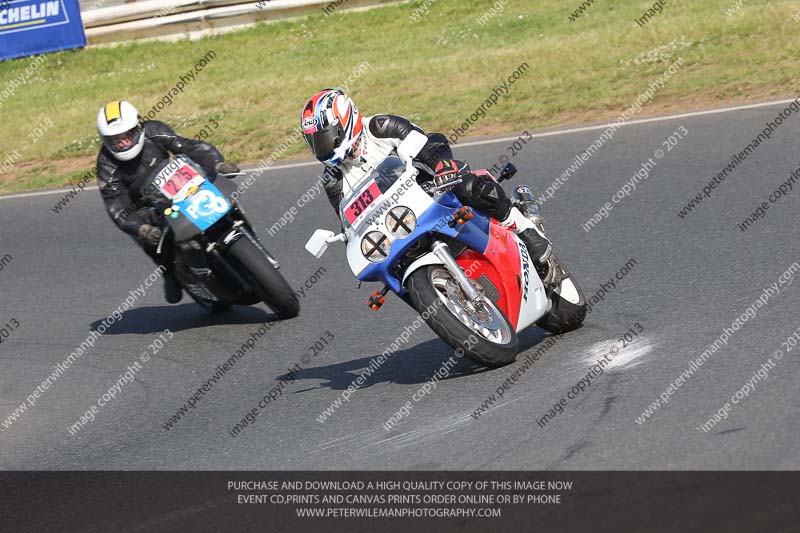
x,y
29,27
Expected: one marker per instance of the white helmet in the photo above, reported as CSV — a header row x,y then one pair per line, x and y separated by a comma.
x,y
120,127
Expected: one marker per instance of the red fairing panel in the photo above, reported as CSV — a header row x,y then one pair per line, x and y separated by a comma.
x,y
500,263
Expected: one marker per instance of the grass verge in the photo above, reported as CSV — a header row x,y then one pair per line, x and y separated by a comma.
x,y
435,67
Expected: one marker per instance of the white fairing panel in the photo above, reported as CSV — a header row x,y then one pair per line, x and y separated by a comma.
x,y
534,303
404,191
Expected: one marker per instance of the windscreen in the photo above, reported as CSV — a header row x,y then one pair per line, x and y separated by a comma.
x,y
378,182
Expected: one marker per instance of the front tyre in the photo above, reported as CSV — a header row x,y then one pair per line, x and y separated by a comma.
x,y
482,332
569,303
269,284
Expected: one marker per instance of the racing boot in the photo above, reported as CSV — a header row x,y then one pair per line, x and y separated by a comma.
x,y
539,247
172,288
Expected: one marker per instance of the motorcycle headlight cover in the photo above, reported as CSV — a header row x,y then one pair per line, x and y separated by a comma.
x,y
401,222
375,246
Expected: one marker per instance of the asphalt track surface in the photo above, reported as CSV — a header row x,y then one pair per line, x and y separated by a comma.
x,y
692,278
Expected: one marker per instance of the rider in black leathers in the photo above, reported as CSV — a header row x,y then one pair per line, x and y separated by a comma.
x,y
126,161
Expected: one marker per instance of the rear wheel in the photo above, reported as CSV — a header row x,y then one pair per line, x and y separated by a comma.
x,y
569,303
268,283
479,328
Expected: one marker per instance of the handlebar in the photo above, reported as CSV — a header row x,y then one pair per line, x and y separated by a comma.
x,y
445,187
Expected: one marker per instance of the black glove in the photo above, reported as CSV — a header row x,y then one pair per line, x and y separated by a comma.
x,y
224,168
445,171
149,235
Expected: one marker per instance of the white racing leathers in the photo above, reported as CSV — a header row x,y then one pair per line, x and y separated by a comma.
x,y
382,135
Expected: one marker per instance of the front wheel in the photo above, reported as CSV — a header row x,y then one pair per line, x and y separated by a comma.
x,y
569,303
482,331
268,283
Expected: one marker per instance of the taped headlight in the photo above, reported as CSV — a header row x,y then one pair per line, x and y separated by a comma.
x,y
375,246
401,222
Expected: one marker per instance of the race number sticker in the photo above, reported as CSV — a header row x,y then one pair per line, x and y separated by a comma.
x,y
361,202
174,177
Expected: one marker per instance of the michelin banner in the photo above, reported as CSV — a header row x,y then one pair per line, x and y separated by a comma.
x,y
29,27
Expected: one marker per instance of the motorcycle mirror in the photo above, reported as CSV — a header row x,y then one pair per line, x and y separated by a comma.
x,y
507,172
319,241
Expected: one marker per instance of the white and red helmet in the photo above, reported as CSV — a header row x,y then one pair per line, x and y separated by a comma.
x,y
331,125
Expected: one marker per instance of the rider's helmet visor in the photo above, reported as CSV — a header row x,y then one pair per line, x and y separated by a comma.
x,y
123,141
324,142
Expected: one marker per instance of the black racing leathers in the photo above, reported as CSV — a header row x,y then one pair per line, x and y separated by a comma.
x,y
121,181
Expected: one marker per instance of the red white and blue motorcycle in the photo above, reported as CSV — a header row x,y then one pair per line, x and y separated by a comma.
x,y
472,278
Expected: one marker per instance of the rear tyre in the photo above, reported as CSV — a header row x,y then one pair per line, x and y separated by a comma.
x,y
569,303
268,283
484,335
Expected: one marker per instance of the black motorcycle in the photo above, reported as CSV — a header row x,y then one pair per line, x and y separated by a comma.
x,y
218,259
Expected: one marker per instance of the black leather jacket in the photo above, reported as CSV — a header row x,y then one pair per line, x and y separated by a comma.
x,y
120,181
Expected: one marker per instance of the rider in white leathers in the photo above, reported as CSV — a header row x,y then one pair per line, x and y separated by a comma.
x,y
351,146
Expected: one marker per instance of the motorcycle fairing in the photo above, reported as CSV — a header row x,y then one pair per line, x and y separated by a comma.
x,y
505,271
205,207
431,216
495,257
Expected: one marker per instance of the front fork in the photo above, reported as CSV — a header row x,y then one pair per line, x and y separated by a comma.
x,y
239,229
442,252
249,235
